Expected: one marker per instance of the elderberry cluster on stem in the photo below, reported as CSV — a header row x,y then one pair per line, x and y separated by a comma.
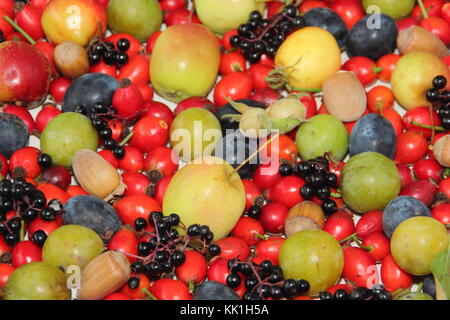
x,y
442,98
99,115
164,251
105,50
318,182
378,292
264,280
21,202
264,36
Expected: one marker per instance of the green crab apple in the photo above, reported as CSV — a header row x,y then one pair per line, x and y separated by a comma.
x,y
71,245
223,15
416,241
185,61
37,281
313,255
140,18
194,132
369,181
397,9
322,133
66,134
207,191
73,20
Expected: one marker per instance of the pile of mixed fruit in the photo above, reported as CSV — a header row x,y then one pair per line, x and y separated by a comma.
x,y
224,150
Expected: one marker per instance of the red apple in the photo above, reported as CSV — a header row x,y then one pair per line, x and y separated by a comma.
x,y
25,73
73,20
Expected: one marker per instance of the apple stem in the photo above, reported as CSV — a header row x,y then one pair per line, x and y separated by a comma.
x,y
20,30
423,9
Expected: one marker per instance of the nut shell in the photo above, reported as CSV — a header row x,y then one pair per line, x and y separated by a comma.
x,y
441,151
344,96
308,209
104,275
96,175
71,59
417,38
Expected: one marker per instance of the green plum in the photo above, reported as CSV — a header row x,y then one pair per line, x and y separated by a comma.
x,y
320,134
72,245
195,132
313,255
415,296
37,281
369,182
415,243
397,9
223,15
184,61
66,134
140,18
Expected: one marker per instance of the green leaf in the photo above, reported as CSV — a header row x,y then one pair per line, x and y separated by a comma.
x,y
240,107
284,125
441,271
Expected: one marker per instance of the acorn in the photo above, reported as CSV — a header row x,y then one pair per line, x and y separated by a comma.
x,y
104,275
71,59
344,96
303,216
441,151
417,38
96,175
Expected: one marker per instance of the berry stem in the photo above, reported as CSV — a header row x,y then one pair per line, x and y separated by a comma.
x,y
261,236
358,242
148,293
377,70
315,90
127,138
427,126
350,237
20,30
336,195
423,9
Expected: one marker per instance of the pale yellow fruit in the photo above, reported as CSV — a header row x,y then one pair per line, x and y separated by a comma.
x,y
309,56
206,191
223,15
413,76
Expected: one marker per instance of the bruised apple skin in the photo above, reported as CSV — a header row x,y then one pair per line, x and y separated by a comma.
x,y
206,191
223,15
73,20
184,62
25,75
